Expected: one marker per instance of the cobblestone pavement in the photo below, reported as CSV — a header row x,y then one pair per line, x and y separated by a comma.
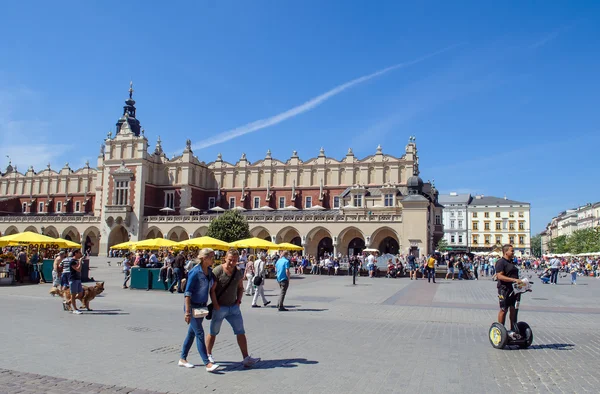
x,y
381,336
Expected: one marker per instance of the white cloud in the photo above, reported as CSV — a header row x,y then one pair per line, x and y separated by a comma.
x,y
308,105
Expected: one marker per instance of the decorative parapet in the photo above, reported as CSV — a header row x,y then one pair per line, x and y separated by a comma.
x,y
50,219
300,217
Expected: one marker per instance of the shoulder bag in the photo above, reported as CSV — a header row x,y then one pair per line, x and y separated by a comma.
x,y
211,306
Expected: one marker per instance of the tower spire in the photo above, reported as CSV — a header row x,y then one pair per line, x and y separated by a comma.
x,y
131,89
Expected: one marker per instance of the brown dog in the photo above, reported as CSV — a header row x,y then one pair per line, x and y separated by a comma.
x,y
89,293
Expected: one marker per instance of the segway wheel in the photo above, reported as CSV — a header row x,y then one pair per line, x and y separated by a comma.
x,y
525,330
498,336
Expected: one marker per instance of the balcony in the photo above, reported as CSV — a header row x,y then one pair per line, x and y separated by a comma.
x,y
66,218
117,214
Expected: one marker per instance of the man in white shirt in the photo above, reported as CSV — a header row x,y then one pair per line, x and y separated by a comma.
x,y
243,260
555,265
371,265
259,271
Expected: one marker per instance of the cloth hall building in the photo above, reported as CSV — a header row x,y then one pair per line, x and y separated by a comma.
x,y
135,192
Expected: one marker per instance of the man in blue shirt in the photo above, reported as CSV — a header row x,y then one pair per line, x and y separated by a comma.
x,y
282,267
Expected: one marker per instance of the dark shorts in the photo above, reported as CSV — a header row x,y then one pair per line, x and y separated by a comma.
x,y
65,278
76,287
506,298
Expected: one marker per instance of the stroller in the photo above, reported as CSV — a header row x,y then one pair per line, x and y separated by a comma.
x,y
545,276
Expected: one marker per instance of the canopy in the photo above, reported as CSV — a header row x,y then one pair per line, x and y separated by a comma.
x,y
238,208
31,238
205,242
289,246
123,246
253,243
371,250
289,208
265,208
154,244
217,209
192,209
69,244
167,209
316,208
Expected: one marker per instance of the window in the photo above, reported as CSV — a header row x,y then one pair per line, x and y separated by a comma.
x,y
499,239
486,226
170,199
308,202
256,203
474,214
460,214
521,225
336,201
77,206
475,240
388,200
358,200
438,219
486,215
231,202
59,206
498,225
511,239
452,239
460,224
487,239
497,214
511,214
452,214
475,226
460,239
24,207
122,193
521,239
281,202
451,223
521,214
211,202
41,207
511,225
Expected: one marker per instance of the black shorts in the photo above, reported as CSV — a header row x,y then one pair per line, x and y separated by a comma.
x,y
507,298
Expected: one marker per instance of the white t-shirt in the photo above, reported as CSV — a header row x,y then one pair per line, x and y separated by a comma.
x,y
370,260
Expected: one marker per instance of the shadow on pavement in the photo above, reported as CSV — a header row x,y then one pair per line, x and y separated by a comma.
x,y
229,366
105,312
554,346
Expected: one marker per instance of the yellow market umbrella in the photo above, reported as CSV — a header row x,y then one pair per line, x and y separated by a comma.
x,y
289,246
204,242
253,243
154,244
69,244
31,238
123,246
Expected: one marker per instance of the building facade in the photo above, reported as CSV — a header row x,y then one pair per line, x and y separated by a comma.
x,y
455,220
565,223
323,204
495,221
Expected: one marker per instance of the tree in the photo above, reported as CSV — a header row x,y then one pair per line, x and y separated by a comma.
x,y
558,244
442,245
536,245
583,241
229,227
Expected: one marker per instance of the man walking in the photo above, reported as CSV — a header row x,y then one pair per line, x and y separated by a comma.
x,y
75,285
450,268
431,268
178,272
259,271
226,295
57,268
282,267
554,267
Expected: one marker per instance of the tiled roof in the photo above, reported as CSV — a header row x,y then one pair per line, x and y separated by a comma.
x,y
490,200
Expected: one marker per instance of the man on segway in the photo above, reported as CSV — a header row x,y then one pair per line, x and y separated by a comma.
x,y
508,273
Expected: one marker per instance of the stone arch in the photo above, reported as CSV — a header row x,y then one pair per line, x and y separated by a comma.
x,y
117,235
349,239
153,232
10,231
260,232
72,234
386,240
177,234
91,240
51,231
318,241
287,234
200,232
31,228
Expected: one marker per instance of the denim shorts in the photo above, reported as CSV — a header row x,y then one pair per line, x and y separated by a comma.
x,y
451,270
232,314
76,287
65,278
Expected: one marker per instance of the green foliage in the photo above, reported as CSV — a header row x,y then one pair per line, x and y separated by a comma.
x,y
536,245
442,245
229,227
581,241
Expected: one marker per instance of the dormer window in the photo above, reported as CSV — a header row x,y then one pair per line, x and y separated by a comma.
x,y
122,193
388,200
358,198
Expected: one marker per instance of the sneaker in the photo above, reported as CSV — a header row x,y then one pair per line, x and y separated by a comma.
x,y
213,368
267,303
282,309
77,312
185,364
249,361
211,359
255,306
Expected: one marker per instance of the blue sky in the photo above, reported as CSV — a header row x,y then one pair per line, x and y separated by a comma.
x,y
502,96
